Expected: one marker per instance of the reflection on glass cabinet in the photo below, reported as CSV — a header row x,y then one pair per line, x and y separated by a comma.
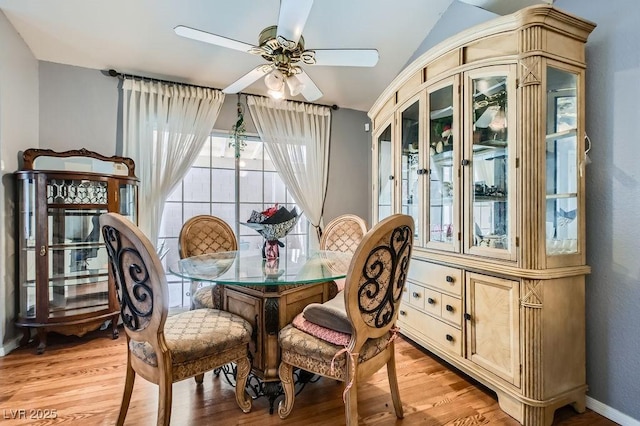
x,y
490,162
63,281
385,175
441,177
562,163
410,163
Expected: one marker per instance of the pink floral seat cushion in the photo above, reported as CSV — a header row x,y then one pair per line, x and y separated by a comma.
x,y
326,334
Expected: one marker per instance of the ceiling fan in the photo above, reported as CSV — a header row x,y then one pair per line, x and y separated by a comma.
x,y
282,46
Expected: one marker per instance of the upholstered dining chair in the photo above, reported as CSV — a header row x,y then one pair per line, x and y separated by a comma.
x,y
205,234
163,349
355,340
343,233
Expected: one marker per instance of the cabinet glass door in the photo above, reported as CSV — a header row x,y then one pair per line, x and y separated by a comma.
x,y
128,197
410,161
78,274
27,245
489,176
385,174
562,163
442,170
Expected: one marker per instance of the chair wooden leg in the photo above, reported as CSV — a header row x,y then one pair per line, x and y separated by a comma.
x,y
286,379
164,401
393,383
199,378
242,372
126,395
351,402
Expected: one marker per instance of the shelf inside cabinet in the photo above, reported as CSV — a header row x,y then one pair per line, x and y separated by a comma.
x,y
561,134
490,143
561,196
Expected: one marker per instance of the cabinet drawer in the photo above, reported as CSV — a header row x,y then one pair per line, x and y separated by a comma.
x,y
452,309
405,294
416,296
443,278
443,335
432,301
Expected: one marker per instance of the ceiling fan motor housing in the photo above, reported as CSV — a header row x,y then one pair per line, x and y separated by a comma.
x,y
283,53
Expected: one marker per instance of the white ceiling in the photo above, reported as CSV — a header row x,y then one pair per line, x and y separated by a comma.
x,y
136,37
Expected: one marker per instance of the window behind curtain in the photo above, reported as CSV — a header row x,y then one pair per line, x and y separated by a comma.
x,y
220,185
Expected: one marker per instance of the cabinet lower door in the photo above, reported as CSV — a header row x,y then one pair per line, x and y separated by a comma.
x,y
493,325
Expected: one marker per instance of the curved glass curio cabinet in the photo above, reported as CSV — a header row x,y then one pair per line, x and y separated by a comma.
x,y
482,141
63,278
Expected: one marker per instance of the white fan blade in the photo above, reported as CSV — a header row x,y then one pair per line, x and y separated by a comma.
x,y
293,15
346,57
247,79
206,37
309,89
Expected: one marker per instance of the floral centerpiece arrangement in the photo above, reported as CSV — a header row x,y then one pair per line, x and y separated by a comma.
x,y
273,223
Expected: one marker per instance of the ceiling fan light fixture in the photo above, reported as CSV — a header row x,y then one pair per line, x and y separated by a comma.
x,y
295,85
276,94
275,80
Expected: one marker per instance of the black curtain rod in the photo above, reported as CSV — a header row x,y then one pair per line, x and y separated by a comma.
x,y
114,73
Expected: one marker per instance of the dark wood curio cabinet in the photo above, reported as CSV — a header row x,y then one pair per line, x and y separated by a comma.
x,y
63,280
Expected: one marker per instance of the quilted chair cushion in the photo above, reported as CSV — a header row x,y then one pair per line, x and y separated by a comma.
x,y
197,334
203,298
314,354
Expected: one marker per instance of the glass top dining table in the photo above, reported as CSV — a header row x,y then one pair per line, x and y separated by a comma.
x,y
246,267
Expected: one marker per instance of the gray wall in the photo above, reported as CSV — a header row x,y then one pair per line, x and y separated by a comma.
x,y
613,191
613,201
78,109
349,189
18,131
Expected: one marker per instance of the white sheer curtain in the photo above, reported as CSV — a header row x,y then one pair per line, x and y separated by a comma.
x,y
296,136
164,128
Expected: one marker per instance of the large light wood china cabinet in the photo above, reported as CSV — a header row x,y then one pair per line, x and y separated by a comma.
x,y
482,140
63,282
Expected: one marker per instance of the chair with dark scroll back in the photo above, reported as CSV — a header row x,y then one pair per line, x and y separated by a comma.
x,y
163,349
343,233
374,285
205,234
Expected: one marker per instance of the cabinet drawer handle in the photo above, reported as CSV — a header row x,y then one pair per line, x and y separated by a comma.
x,y
416,294
449,338
465,162
449,279
391,177
403,313
431,301
467,317
449,308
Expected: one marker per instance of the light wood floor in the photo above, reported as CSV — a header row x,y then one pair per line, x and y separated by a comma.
x,y
81,379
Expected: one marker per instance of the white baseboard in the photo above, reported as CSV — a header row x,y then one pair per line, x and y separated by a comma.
x,y
11,345
610,413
